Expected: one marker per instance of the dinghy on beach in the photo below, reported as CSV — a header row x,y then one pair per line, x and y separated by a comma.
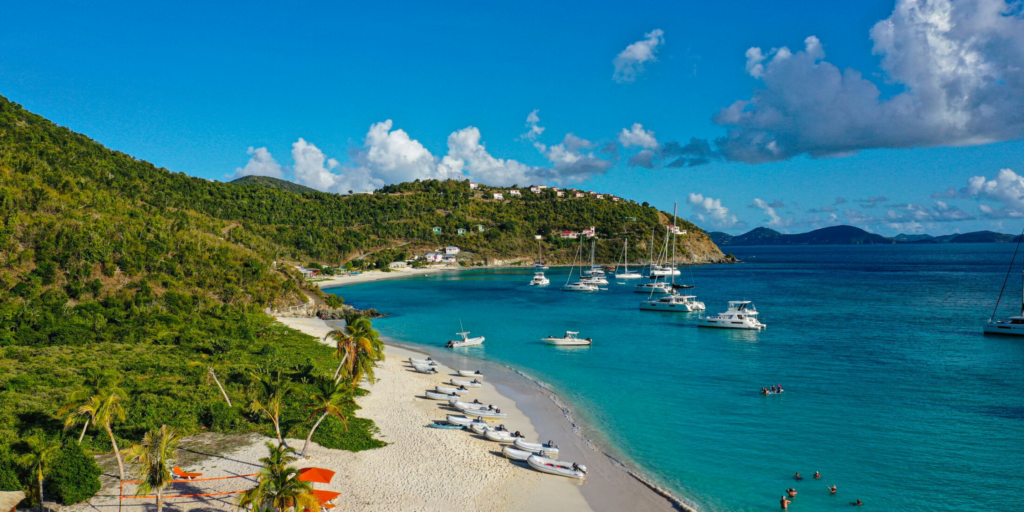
x,y
549,448
501,435
464,421
555,467
450,391
433,395
519,455
479,428
467,383
424,369
422,362
471,373
442,425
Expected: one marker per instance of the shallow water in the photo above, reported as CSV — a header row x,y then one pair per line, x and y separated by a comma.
x,y
892,393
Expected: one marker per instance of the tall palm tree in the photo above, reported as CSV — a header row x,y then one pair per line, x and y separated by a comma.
x,y
96,380
328,399
155,455
359,346
105,408
268,399
211,375
40,451
279,487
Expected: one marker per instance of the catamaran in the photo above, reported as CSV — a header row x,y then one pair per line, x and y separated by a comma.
x,y
741,315
625,273
579,286
653,287
539,265
595,274
570,338
1014,325
671,301
539,279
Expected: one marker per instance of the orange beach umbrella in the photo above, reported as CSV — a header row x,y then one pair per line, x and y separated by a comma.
x,y
316,475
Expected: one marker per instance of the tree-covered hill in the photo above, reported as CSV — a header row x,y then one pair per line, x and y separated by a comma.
x,y
268,182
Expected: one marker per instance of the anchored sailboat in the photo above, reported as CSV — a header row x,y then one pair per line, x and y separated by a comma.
x,y
625,273
1014,325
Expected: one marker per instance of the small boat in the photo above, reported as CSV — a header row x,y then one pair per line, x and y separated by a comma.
x,y
556,467
464,421
741,315
1014,325
570,338
469,406
673,302
539,279
487,414
579,287
433,395
424,369
439,424
467,383
422,362
471,373
466,341
539,264
625,273
548,447
664,271
479,428
654,287
501,435
450,391
594,280
515,454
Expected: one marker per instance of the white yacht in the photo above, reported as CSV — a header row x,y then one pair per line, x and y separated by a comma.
x,y
653,287
741,315
673,302
539,264
570,338
581,285
625,273
664,271
466,341
539,279
594,279
1014,325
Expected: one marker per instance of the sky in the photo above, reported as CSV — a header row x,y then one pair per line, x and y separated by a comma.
x,y
897,116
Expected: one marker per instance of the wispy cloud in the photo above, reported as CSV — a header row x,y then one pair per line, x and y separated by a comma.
x,y
710,210
629,63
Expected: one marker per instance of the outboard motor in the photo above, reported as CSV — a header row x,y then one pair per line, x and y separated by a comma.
x,y
582,468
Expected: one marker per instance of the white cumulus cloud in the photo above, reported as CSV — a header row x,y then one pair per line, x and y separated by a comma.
x,y
711,211
1006,189
637,136
533,123
773,218
629,63
261,163
467,153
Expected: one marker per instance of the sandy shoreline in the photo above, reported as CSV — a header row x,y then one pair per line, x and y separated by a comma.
x,y
376,275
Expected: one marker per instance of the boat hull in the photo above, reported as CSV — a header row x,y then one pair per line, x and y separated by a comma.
x,y
555,467
566,342
1004,329
721,324
676,308
639,289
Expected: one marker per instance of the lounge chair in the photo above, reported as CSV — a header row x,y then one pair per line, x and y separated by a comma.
x,y
178,472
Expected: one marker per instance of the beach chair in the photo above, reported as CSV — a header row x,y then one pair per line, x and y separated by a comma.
x,y
180,473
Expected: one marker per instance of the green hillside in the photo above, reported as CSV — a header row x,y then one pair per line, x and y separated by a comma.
x,y
268,182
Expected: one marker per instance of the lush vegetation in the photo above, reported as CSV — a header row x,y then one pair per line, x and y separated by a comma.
x,y
74,476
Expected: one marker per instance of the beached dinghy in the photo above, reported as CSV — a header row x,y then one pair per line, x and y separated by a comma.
x,y
424,369
433,395
464,421
467,383
422,362
450,391
471,373
517,454
501,435
548,448
483,411
555,467
479,428
443,425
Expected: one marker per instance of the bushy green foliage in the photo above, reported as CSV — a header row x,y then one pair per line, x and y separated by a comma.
x,y
358,436
74,476
8,470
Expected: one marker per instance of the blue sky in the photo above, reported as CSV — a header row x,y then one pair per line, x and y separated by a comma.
x,y
310,88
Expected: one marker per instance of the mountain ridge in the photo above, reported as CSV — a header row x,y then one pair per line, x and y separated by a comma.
x,y
850,235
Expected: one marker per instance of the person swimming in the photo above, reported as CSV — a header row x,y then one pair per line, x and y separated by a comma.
x,y
784,503
857,503
831,489
817,476
797,476
791,492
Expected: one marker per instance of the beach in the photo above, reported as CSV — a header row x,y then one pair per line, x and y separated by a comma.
x,y
377,275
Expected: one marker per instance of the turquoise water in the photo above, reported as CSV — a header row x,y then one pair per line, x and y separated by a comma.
x,y
892,393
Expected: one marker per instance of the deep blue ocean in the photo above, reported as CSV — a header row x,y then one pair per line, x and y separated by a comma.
x,y
892,392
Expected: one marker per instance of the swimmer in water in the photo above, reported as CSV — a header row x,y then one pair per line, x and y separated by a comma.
x,y
857,503
784,503
817,476
797,476
791,492
831,489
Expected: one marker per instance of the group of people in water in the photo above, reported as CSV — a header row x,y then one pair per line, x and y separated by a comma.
x,y
775,389
784,501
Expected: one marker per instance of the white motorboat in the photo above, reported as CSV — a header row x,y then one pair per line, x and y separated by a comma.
x,y
549,447
465,421
424,369
466,341
653,287
539,279
422,362
570,338
579,287
741,315
495,414
467,383
434,395
479,427
501,435
457,403
673,302
595,271
451,391
556,467
471,373
515,454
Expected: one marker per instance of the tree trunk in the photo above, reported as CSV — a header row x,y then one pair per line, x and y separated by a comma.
x,y
160,499
117,453
225,393
309,438
337,373
84,428
277,429
41,508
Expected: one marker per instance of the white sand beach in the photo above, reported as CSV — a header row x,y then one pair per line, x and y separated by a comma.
x,y
376,275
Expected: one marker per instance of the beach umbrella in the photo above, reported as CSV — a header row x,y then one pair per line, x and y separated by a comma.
x,y
316,475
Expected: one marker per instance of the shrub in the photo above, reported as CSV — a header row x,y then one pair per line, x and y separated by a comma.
x,y
222,418
358,436
8,473
74,475
334,301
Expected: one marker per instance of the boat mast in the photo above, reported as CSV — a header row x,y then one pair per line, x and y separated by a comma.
x,y
593,243
672,268
625,255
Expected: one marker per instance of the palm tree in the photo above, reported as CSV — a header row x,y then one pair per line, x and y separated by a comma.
x,y
105,408
328,399
268,399
359,347
211,376
38,459
154,455
279,487
95,381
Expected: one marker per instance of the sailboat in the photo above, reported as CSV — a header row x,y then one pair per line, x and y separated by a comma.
x,y
672,301
539,265
1014,325
625,273
595,275
578,286
653,286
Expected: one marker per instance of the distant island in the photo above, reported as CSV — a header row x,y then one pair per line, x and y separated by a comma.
x,y
850,235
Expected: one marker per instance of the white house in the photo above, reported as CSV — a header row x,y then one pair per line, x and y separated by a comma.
x,y
433,257
590,233
569,234
579,194
615,199
451,249
448,259
535,189
473,186
598,196
559,193
398,264
514,192
676,230
499,196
